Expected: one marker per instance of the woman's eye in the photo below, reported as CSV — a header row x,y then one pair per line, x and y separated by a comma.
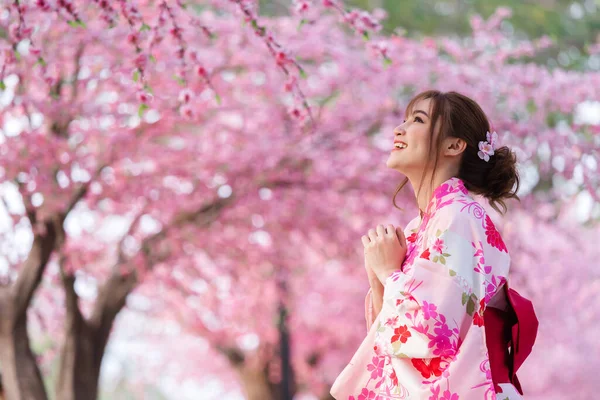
x,y
418,119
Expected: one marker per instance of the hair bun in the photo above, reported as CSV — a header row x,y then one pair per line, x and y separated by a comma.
x,y
502,180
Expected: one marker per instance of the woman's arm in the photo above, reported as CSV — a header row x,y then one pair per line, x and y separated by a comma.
x,y
376,291
426,310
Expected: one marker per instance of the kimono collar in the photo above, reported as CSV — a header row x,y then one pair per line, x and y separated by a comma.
x,y
443,195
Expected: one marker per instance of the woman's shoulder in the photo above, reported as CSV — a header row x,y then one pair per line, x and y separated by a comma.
x,y
467,216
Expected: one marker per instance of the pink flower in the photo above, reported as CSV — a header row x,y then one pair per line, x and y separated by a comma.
x,y
133,38
281,57
302,6
201,71
9,56
186,95
144,97
34,51
50,80
187,112
141,61
485,151
289,85
14,30
43,4
297,113
486,148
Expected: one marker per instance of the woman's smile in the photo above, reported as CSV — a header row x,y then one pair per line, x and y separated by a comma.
x,y
399,145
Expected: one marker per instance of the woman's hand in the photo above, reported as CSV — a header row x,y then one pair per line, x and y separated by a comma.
x,y
385,249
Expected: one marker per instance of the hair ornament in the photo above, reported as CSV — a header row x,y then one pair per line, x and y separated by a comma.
x,y
486,148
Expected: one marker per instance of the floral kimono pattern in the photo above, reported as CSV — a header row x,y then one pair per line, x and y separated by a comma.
x,y
428,341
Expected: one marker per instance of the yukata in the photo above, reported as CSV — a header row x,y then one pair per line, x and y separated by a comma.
x,y
429,340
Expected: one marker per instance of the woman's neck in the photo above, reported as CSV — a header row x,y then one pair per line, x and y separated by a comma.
x,y
428,187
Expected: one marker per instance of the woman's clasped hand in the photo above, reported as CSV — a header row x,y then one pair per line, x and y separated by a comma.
x,y
385,249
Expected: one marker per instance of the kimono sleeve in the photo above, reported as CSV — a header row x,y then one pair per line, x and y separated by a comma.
x,y
427,311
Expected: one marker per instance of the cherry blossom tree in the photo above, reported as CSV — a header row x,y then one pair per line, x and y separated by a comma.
x,y
222,165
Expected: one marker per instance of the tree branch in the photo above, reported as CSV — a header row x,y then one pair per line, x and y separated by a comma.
x,y
113,293
71,297
33,268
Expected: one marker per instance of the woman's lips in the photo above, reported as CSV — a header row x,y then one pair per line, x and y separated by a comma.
x,y
396,148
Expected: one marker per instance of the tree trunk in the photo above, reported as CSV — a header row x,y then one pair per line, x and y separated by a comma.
x,y
80,360
86,339
255,381
21,377
256,385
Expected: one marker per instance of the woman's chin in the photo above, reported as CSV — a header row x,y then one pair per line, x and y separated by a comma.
x,y
393,164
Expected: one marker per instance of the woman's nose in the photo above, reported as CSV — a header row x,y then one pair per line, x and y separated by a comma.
x,y
399,131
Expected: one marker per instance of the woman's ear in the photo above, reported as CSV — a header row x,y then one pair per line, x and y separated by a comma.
x,y
454,146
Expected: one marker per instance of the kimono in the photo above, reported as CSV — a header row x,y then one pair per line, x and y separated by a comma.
x,y
429,340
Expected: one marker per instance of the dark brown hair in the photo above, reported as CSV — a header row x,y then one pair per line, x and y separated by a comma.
x,y
461,117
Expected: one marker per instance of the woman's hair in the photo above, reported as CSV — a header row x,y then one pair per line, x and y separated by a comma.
x,y
461,117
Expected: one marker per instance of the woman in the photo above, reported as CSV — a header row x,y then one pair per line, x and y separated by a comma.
x,y
432,282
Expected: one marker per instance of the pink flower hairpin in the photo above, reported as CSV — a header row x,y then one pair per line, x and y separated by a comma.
x,y
486,148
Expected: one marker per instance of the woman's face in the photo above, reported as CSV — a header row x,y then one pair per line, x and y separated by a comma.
x,y
413,136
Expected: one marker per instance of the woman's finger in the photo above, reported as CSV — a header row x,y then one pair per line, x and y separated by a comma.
x,y
365,240
401,237
372,235
380,230
390,230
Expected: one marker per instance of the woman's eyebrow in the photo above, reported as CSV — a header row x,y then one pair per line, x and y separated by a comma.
x,y
422,112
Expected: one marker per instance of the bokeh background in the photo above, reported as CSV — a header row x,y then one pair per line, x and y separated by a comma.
x,y
184,186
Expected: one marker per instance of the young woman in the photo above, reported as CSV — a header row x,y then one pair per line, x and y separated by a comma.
x,y
431,283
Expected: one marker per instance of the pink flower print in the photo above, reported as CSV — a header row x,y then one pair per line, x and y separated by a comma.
x,y
436,392
376,367
443,330
444,190
493,237
440,343
429,310
395,275
449,396
367,394
410,257
461,187
392,321
438,246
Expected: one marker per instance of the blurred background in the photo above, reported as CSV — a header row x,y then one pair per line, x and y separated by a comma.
x,y
210,242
